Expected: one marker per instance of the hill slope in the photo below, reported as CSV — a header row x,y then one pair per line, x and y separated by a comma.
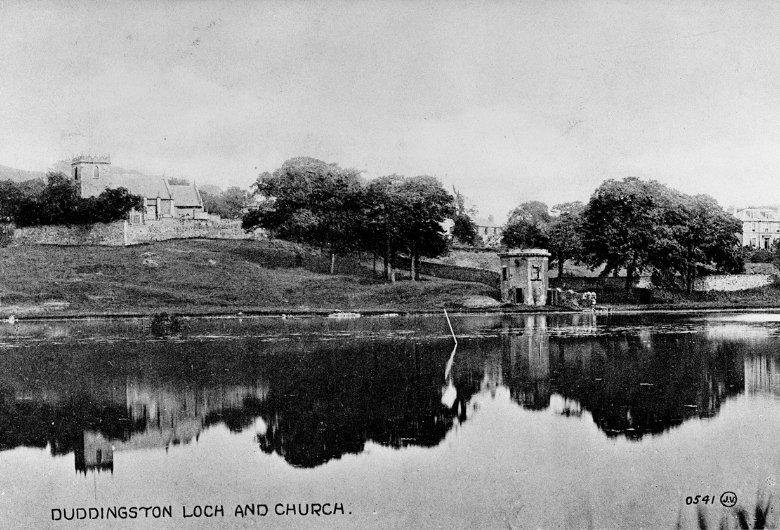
x,y
205,276
19,175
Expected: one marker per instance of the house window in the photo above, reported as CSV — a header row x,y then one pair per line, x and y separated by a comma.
x,y
503,273
754,227
753,242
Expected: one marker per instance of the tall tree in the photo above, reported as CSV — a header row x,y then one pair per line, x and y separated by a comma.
x,y
644,225
310,201
59,203
533,212
382,233
10,196
228,204
696,233
464,230
524,234
405,216
619,226
426,204
565,242
527,226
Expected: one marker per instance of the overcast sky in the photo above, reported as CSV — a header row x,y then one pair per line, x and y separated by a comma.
x,y
507,101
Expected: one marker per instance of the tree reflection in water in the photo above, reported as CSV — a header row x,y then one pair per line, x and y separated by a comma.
x,y
322,399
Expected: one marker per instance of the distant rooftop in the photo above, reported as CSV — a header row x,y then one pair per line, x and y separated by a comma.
x,y
757,214
481,221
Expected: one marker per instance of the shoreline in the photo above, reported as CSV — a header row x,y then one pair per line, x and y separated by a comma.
x,y
250,312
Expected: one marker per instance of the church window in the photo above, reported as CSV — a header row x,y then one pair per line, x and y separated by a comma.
x,y
95,172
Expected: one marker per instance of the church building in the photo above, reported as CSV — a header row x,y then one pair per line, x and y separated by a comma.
x,y
94,174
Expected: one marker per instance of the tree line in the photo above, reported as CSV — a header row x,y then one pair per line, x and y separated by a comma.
x,y
322,204
58,202
627,225
635,226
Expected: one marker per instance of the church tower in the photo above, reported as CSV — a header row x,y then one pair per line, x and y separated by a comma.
x,y
91,173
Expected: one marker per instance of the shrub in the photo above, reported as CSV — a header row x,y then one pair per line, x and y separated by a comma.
x,y
59,203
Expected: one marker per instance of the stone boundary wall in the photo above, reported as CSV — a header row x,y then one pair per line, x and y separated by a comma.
x,y
478,250
121,233
589,284
716,282
732,282
453,272
165,229
109,234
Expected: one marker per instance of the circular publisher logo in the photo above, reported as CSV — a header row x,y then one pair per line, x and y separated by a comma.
x,y
728,499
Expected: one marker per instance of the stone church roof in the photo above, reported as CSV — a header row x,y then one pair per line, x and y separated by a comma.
x,y
115,177
185,195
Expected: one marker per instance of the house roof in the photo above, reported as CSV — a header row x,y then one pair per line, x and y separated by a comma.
x,y
136,183
481,221
758,214
149,187
184,195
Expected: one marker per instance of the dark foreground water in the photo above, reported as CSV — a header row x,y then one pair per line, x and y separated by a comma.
x,y
574,421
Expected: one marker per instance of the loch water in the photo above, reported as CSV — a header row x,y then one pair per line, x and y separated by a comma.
x,y
533,421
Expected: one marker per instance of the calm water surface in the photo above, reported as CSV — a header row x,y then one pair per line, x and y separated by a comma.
x,y
572,421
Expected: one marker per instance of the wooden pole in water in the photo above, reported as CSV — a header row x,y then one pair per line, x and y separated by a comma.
x,y
450,393
450,324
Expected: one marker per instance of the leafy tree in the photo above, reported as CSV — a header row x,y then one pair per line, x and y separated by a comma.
x,y
59,203
310,201
527,226
112,205
644,225
619,226
524,234
10,196
228,204
565,242
426,204
571,208
404,215
382,232
464,230
695,233
533,212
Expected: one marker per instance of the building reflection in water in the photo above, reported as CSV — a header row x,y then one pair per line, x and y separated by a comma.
x,y
528,351
762,375
321,400
163,417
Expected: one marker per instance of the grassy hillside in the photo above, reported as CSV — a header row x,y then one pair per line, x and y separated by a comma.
x,y
19,175
204,276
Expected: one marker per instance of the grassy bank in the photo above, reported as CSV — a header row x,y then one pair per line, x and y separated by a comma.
x,y
197,276
222,276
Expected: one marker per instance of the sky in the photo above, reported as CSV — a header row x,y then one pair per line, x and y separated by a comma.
x,y
506,101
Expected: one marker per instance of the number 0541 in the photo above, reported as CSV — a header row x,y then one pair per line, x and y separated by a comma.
x,y
703,499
